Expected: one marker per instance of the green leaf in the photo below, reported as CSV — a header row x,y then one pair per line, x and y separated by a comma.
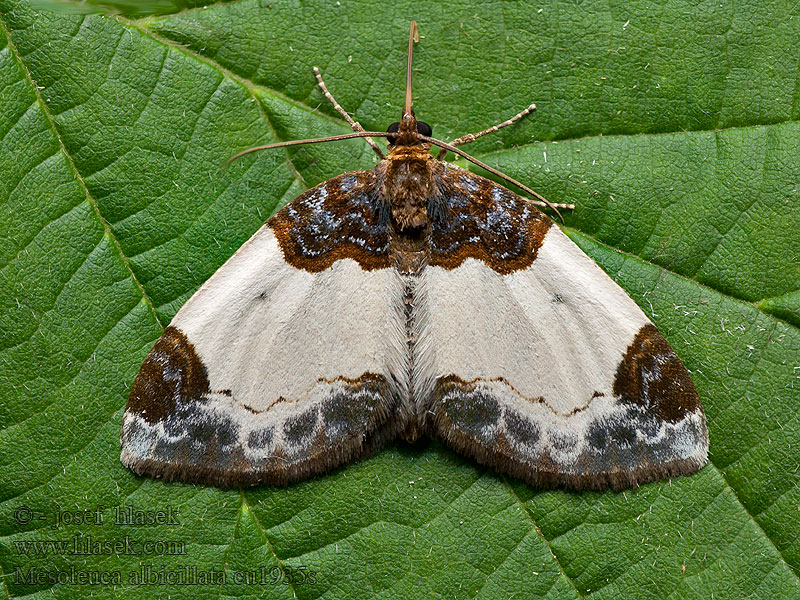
x,y
786,307
672,126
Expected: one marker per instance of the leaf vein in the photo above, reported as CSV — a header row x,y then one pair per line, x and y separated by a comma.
x,y
81,182
546,541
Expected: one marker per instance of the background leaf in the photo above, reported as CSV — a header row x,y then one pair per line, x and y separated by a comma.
x,y
672,126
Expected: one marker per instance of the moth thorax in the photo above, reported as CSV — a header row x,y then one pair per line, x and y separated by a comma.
x,y
409,184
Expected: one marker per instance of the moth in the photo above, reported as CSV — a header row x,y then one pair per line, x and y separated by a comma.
x,y
413,299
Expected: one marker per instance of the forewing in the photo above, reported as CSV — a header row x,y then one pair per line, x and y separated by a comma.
x,y
278,367
544,368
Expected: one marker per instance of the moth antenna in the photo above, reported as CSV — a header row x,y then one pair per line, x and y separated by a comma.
x,y
471,137
413,36
333,138
494,171
355,125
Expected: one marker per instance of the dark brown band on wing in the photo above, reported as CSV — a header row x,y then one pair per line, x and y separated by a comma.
x,y
474,217
171,373
618,448
652,376
209,441
344,217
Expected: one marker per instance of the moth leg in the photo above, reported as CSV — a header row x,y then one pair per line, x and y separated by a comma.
x,y
471,137
355,125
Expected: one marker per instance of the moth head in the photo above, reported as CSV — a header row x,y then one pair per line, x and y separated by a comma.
x,y
408,131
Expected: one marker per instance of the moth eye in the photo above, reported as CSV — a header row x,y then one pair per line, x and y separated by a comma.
x,y
424,129
393,128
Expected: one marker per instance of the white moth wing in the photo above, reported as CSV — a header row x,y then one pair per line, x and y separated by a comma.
x,y
279,365
267,327
544,367
554,330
